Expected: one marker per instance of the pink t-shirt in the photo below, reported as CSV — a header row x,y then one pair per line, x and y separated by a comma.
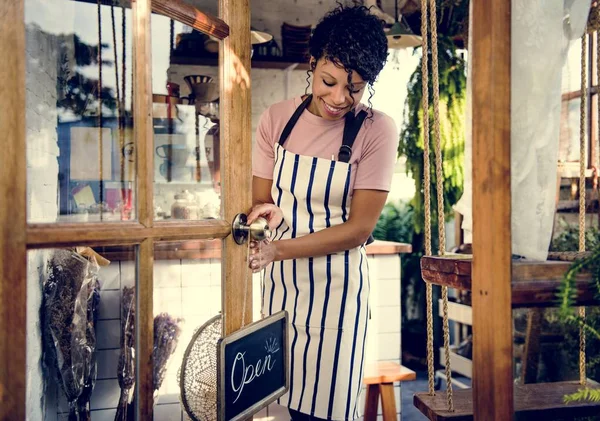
x,y
373,153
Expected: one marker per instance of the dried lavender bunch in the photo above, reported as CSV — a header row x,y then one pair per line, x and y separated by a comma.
x,y
166,335
69,346
126,367
83,402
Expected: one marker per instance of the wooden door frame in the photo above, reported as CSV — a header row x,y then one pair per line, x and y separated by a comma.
x,y
13,254
16,236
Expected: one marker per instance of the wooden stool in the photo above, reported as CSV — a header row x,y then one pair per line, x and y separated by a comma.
x,y
379,378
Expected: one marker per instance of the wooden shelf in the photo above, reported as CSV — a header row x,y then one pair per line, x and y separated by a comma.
x,y
534,284
540,401
257,63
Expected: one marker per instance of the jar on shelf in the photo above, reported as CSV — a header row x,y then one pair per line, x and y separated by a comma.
x,y
185,206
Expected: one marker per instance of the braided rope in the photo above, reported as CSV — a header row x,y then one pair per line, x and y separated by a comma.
x,y
598,109
119,103
439,176
116,58
123,105
582,165
124,58
598,99
427,194
99,94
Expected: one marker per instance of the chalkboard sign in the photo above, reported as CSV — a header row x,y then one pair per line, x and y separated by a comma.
x,y
253,367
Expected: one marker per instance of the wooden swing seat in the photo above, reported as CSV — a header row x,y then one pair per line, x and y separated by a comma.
x,y
539,401
534,284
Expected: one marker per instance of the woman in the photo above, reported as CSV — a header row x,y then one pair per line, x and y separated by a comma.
x,y
323,200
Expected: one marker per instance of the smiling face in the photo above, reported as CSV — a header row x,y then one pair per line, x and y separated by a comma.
x,y
333,97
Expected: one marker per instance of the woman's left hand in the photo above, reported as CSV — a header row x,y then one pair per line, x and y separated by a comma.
x,y
262,254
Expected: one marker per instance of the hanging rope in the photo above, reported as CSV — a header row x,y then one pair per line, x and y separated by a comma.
x,y
427,193
99,93
439,176
582,166
120,110
122,138
124,58
598,109
116,58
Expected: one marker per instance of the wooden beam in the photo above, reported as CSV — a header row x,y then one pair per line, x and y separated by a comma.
x,y
142,109
13,208
185,13
60,235
145,329
236,151
492,315
570,96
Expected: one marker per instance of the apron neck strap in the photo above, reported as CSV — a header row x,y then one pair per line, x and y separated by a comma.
x,y
292,121
352,126
351,129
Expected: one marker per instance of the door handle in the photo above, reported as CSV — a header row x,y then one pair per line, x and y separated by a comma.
x,y
258,230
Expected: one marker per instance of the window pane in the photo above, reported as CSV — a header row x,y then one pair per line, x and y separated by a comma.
x,y
569,131
186,122
187,294
80,333
79,127
571,69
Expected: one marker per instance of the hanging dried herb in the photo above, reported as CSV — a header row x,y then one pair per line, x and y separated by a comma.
x,y
70,299
93,302
166,335
126,367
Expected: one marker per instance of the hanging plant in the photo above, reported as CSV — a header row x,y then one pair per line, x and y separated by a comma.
x,y
452,89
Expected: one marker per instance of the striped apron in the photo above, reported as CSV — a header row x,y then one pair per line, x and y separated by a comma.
x,y
326,297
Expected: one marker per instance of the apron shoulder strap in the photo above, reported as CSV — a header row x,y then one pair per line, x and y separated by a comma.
x,y
293,120
351,129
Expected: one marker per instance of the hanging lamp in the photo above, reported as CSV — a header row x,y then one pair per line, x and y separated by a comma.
x,y
400,35
259,37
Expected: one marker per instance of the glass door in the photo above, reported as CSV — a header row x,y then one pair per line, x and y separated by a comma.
x,y
120,177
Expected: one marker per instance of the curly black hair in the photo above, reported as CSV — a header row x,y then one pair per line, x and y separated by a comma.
x,y
353,38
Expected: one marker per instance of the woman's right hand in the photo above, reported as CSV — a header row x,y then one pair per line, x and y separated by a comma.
x,y
269,211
